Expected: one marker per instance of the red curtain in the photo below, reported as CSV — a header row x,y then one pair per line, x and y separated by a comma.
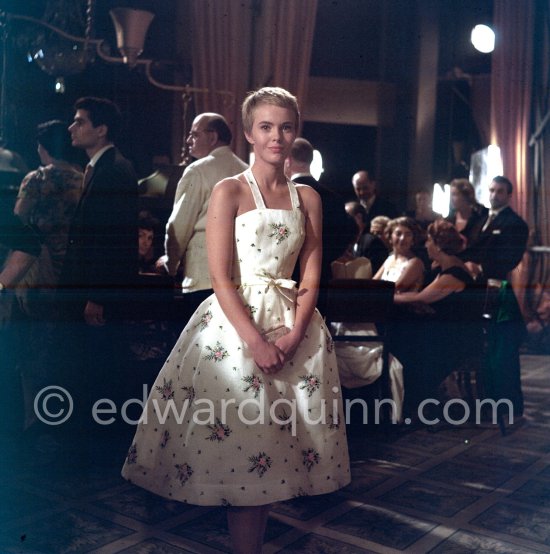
x,y
239,46
511,89
221,50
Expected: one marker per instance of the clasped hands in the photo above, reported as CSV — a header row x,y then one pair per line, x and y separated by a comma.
x,y
271,357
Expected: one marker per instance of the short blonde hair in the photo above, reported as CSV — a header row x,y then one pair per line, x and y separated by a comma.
x,y
275,96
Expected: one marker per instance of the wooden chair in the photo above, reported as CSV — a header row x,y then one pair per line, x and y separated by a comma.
x,y
363,301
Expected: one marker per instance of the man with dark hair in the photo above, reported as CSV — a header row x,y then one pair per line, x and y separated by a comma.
x,y
503,237
100,267
491,258
102,251
185,242
364,185
337,232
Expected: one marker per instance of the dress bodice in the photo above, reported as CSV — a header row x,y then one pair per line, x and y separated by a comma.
x,y
267,241
456,306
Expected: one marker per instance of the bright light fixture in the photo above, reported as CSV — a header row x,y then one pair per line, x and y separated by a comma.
x,y
483,38
441,199
316,167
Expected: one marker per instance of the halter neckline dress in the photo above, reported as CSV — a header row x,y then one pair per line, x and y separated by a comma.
x,y
216,430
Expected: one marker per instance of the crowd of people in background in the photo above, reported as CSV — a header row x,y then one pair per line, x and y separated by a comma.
x,y
70,298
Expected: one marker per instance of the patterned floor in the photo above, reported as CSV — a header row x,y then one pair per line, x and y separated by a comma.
x,y
459,490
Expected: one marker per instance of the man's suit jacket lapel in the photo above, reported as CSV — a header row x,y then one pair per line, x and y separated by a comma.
x,y
106,158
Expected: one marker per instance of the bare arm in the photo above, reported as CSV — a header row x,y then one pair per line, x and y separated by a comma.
x,y
220,228
17,264
435,291
25,202
411,276
310,270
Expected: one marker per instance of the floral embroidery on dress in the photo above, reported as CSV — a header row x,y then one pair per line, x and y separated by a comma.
x,y
131,457
260,463
255,383
251,310
310,383
184,472
218,353
165,439
334,422
166,390
219,431
311,457
205,319
285,420
280,232
189,393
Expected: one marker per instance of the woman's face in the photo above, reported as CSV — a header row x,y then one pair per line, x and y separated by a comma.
x,y
272,134
402,239
458,200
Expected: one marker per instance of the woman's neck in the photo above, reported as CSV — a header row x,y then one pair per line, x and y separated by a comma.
x,y
403,255
465,212
268,176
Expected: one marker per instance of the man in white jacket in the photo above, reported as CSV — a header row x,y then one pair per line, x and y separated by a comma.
x,y
185,241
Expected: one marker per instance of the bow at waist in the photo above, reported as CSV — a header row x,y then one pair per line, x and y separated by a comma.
x,y
285,287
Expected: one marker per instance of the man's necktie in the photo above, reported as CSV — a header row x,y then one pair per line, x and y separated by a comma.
x,y
88,172
490,219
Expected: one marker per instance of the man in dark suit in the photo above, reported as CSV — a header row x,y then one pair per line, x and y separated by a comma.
x,y
497,251
102,247
364,185
101,264
337,230
503,237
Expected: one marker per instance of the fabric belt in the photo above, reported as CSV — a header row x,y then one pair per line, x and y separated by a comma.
x,y
282,286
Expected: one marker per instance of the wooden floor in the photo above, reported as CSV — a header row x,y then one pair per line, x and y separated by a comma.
x,y
461,489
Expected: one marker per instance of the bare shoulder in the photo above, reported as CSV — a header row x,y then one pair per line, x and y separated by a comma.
x,y
229,187
416,262
231,192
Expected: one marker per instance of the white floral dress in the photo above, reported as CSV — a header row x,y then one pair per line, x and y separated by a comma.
x,y
218,431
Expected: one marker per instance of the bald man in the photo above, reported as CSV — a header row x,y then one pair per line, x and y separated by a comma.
x,y
185,241
364,185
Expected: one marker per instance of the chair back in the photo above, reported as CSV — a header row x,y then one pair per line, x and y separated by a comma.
x,y
359,300
358,268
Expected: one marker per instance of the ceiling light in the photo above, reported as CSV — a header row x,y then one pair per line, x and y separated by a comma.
x,y
483,38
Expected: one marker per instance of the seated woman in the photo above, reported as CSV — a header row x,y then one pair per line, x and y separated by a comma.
x,y
360,363
403,266
443,331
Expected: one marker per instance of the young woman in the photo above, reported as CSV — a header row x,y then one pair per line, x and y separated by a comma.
x,y
257,352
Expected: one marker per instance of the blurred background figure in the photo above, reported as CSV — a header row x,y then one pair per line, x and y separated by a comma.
x,y
367,244
423,213
467,215
47,200
148,231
